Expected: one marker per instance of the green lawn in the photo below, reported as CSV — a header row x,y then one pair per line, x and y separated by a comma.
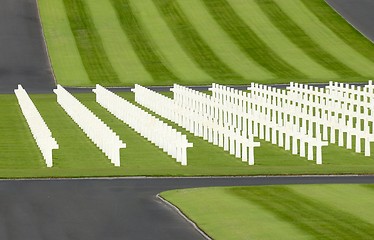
x,y
280,212
78,156
160,42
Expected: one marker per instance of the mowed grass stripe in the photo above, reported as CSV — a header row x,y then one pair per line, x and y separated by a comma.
x,y
253,16
94,58
223,215
152,60
327,39
354,199
193,44
249,42
302,40
18,148
221,43
341,28
181,63
76,150
118,48
313,217
64,54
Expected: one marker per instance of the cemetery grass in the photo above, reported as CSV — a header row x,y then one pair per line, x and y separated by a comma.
x,y
280,212
100,42
79,157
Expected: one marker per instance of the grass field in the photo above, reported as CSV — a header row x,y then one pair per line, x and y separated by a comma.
x,y
160,42
78,156
280,212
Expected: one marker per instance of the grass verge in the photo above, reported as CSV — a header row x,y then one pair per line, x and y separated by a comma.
x,y
279,212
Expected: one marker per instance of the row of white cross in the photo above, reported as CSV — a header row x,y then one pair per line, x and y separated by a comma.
x,y
345,109
39,129
95,129
277,112
195,111
251,115
301,118
156,131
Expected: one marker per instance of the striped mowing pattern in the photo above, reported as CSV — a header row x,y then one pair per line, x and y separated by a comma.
x,y
349,35
156,42
94,58
140,41
302,40
317,219
322,35
116,44
192,42
330,211
280,44
181,63
250,43
220,42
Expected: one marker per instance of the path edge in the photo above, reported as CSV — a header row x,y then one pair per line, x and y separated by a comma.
x,y
342,16
179,211
45,43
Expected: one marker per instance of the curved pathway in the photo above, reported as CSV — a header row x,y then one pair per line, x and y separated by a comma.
x,y
112,208
359,13
23,58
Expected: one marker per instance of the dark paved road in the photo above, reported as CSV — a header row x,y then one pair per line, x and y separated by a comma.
x,y
358,12
23,58
111,208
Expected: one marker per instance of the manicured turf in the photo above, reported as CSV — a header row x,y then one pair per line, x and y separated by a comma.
x,y
280,44
78,156
94,58
331,19
249,42
195,46
326,38
117,45
63,51
157,42
142,45
280,212
290,29
177,59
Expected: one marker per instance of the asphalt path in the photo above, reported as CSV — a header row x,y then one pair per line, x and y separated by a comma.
x,y
112,208
23,57
359,13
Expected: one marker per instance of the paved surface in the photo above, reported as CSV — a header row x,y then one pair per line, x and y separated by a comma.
x,y
111,208
358,12
23,59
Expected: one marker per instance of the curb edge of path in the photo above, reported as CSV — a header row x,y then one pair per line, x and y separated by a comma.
x,y
176,209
